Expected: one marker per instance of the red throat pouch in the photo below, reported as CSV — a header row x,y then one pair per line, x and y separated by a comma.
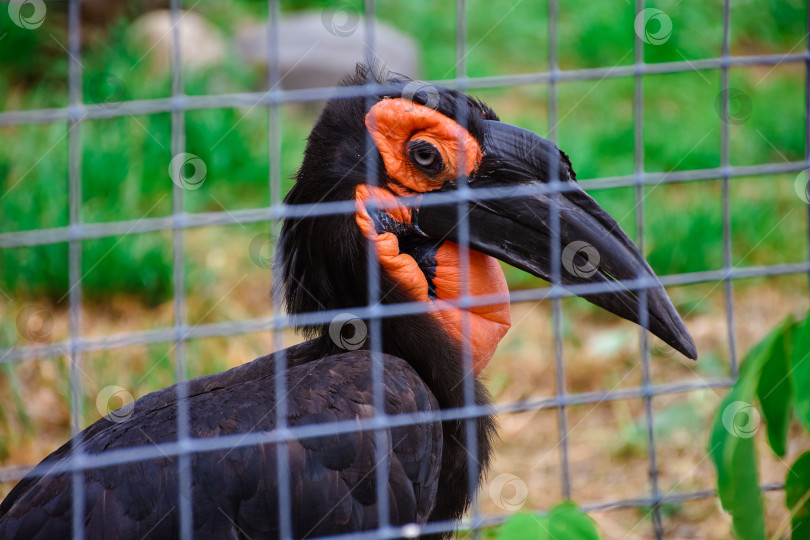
x,y
481,327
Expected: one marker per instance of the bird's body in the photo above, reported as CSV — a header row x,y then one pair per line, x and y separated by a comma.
x,y
324,265
332,485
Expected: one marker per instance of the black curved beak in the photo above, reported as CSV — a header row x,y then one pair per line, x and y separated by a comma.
x,y
519,229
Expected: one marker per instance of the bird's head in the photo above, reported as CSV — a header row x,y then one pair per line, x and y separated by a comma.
x,y
388,153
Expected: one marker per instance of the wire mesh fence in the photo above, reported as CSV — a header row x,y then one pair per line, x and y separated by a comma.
x,y
187,171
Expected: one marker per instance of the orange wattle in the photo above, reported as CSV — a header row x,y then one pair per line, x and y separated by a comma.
x,y
485,325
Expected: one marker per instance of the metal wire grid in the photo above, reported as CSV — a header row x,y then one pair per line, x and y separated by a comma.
x,y
76,232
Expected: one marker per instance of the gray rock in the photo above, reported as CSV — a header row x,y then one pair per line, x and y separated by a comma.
x,y
319,48
201,43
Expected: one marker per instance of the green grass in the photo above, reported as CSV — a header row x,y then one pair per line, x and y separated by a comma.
x,y
124,161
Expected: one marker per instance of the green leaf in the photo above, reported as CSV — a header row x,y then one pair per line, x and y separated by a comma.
x,y
797,496
568,522
737,474
564,522
732,443
775,389
800,364
522,526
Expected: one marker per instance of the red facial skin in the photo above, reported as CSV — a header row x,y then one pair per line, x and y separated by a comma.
x,y
392,124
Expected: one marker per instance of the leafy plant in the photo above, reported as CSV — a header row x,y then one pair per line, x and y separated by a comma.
x,y
565,521
777,374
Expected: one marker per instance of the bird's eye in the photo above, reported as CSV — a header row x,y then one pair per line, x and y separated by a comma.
x,y
425,157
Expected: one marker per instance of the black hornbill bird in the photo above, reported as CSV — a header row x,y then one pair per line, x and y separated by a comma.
x,y
419,143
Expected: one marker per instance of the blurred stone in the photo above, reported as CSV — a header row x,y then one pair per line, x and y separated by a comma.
x,y
201,43
320,48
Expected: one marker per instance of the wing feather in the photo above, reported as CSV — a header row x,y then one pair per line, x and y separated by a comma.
x,y
234,493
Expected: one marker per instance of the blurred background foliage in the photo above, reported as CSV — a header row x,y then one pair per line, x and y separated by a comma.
x,y
124,160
